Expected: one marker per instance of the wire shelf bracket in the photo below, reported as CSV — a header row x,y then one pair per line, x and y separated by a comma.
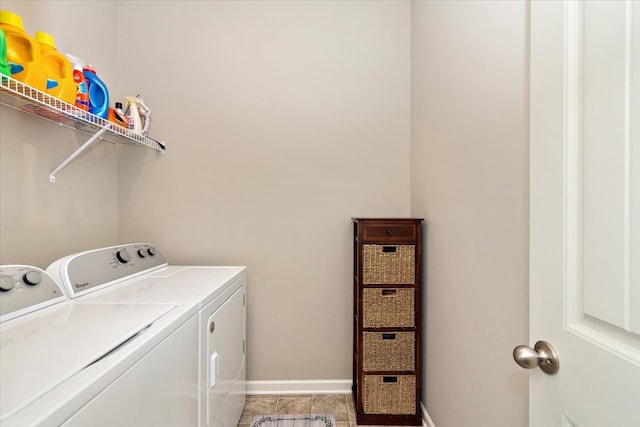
x,y
52,174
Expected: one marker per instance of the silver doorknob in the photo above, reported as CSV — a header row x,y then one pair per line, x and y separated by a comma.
x,y
542,355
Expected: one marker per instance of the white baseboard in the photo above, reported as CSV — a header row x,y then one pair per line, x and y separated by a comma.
x,y
299,387
426,419
314,386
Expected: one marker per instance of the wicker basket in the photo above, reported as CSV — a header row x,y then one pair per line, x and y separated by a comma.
x,y
391,395
389,351
384,307
388,264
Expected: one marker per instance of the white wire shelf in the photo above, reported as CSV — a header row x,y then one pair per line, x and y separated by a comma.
x,y
20,96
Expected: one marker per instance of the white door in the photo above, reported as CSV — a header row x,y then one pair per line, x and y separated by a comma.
x,y
225,388
585,211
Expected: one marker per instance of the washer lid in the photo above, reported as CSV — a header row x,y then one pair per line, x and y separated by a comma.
x,y
42,350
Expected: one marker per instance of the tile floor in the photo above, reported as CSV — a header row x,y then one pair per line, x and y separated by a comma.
x,y
340,405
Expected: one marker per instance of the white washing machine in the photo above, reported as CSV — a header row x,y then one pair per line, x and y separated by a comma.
x,y
213,387
55,355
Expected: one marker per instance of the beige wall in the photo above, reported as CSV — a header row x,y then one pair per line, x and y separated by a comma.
x,y
282,120
469,179
42,221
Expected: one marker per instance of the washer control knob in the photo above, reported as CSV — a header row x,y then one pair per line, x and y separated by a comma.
x,y
123,256
142,253
32,278
7,283
152,251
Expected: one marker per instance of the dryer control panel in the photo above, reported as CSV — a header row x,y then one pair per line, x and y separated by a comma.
x,y
89,271
24,289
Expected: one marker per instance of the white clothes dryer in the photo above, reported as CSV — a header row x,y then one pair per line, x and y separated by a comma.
x,y
214,298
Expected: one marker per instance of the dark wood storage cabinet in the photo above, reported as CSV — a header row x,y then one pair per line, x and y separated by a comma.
x,y
387,288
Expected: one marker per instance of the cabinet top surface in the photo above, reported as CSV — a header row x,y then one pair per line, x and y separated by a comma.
x,y
357,219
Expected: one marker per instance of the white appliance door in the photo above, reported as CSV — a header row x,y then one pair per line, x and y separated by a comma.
x,y
160,390
226,362
42,350
585,211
